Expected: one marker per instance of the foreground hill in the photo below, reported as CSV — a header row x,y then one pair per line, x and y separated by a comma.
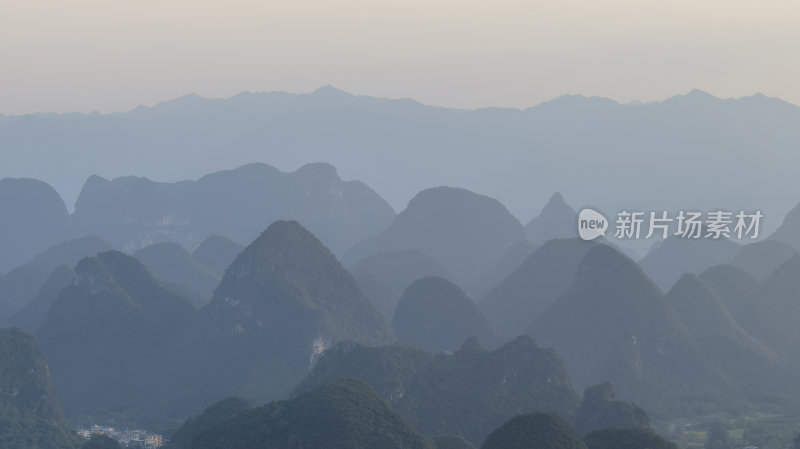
x,y
135,212
600,409
466,232
534,430
346,414
469,393
30,416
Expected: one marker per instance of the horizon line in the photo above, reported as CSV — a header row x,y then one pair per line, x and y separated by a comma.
x,y
328,88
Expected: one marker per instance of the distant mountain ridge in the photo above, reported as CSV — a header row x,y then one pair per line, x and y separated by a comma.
x,y
464,231
133,212
401,146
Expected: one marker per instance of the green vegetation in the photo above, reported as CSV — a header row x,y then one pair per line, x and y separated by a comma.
x,y
451,442
534,431
599,409
146,356
718,438
750,364
346,414
128,323
30,416
101,442
615,325
621,438
469,393
214,415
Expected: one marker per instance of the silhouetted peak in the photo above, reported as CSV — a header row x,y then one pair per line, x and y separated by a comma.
x,y
318,171
604,264
329,91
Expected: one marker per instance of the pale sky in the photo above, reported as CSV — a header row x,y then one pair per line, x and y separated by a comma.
x,y
112,55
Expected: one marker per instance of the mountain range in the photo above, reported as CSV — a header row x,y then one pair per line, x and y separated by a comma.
x,y
584,147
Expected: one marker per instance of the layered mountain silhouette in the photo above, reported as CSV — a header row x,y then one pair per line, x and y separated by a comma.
x,y
173,265
280,304
23,283
346,414
436,315
773,312
383,297
615,325
557,220
761,259
512,259
398,269
134,212
469,393
734,287
34,217
675,256
788,230
128,322
523,295
30,414
31,317
748,362
282,301
216,253
513,155
464,231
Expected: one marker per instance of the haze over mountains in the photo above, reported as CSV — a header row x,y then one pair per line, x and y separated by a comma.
x,y
449,324
589,148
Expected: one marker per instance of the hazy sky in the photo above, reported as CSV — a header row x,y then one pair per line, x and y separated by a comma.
x,y
111,55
